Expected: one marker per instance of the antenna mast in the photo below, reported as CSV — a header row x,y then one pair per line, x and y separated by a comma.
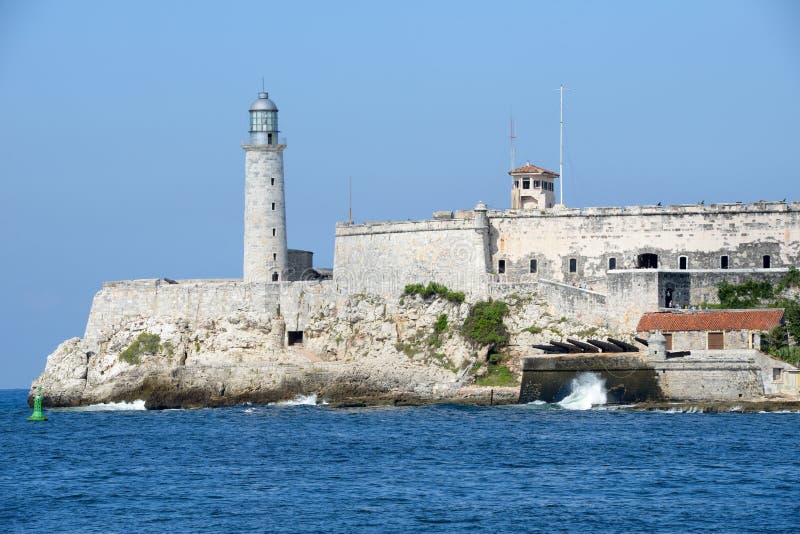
x,y
512,136
350,188
561,147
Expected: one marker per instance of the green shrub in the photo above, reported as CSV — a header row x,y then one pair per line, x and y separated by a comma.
x,y
498,376
484,324
441,324
789,280
434,289
748,294
144,344
788,354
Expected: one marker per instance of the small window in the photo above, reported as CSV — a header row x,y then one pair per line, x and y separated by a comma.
x,y
777,374
536,184
274,277
274,257
683,263
723,262
526,184
534,266
550,186
573,265
765,262
272,181
294,337
501,266
273,206
273,232
612,264
516,184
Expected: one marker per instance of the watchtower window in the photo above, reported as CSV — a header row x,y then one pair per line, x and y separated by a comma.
x,y
723,262
765,262
526,183
573,265
274,277
501,266
516,184
612,264
536,184
534,266
683,263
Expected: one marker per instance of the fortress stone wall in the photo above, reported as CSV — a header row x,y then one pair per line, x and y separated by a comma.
x,y
592,236
382,258
197,301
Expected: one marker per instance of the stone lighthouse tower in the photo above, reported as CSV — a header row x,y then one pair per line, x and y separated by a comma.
x,y
265,253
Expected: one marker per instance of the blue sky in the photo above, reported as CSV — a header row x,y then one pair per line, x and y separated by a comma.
x,y
121,125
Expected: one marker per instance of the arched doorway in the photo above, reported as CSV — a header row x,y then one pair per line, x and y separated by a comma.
x,y
647,261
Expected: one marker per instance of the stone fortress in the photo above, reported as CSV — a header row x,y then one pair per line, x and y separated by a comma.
x,y
601,266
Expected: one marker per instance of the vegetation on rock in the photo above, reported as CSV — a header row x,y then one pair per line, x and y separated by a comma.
x,y
433,289
497,376
144,344
484,324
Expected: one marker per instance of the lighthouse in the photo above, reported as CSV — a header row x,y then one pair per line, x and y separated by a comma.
x,y
265,251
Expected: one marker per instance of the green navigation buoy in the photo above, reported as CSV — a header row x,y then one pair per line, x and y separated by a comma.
x,y
37,414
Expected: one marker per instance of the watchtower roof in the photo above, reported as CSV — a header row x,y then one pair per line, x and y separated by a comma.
x,y
528,168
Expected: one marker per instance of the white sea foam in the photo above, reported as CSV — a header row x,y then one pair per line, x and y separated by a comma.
x,y
110,407
586,390
300,400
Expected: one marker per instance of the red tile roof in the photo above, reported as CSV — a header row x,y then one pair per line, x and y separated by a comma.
x,y
531,169
710,320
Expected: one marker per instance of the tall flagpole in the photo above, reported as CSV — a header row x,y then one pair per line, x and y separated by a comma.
x,y
561,147
512,136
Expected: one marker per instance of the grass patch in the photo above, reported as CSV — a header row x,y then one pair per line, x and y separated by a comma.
x,y
587,332
434,290
407,349
497,376
144,344
441,324
533,330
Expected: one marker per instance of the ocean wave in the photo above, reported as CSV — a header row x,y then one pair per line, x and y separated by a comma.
x,y
137,405
587,390
299,400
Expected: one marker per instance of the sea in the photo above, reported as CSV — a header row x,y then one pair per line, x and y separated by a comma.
x,y
303,466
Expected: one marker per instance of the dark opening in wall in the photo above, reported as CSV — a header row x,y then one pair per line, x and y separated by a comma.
x,y
573,265
272,181
647,261
612,264
501,266
295,337
683,263
534,266
526,184
273,206
765,262
273,232
274,277
723,262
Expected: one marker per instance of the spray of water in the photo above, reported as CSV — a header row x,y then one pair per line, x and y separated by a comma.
x,y
300,400
586,390
108,407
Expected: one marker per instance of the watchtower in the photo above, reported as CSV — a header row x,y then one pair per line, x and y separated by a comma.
x,y
532,188
265,251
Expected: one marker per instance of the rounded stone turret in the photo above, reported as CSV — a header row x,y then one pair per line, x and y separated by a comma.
x,y
481,219
657,345
265,245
